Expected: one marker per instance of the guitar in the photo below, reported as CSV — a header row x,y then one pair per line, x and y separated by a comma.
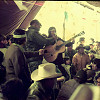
x,y
51,52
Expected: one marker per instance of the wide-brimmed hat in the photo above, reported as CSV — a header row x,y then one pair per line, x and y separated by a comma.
x,y
45,71
80,46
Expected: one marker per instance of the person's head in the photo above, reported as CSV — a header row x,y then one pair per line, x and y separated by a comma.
x,y
19,36
35,23
13,89
3,39
96,64
81,76
69,46
91,46
46,74
80,49
67,61
90,75
97,79
9,37
82,40
52,32
91,41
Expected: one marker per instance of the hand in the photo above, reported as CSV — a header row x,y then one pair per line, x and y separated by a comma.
x,y
41,51
73,40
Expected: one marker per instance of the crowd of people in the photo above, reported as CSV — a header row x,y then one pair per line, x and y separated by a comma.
x,y
35,66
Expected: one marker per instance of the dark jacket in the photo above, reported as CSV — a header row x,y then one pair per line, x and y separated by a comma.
x,y
37,92
36,41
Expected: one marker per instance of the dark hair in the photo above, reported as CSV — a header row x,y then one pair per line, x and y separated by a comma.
x,y
97,62
9,37
19,40
19,32
2,38
13,89
1,57
49,31
81,76
35,21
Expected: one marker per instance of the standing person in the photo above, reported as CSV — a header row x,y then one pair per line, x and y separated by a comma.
x,y
36,41
81,41
80,59
16,59
45,78
58,57
70,52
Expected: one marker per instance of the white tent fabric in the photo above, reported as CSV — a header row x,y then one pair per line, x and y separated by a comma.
x,y
80,18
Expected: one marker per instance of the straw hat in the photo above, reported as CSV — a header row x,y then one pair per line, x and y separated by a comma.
x,y
44,71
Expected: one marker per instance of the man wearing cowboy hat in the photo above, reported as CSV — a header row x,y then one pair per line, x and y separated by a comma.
x,y
16,59
44,81
80,59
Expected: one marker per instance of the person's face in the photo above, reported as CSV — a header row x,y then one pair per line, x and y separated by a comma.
x,y
68,62
53,33
83,42
49,83
81,50
94,67
98,81
69,48
91,46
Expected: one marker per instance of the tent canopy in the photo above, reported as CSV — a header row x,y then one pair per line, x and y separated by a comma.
x,y
17,14
69,17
